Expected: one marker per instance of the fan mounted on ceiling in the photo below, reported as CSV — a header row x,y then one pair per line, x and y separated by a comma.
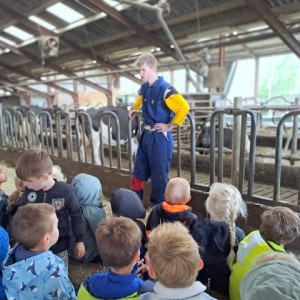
x,y
49,46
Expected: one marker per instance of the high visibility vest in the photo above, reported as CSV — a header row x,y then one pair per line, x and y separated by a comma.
x,y
250,248
84,294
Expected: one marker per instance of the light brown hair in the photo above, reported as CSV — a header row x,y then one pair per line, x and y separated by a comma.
x,y
31,222
274,255
280,225
225,203
178,191
33,163
174,255
118,240
16,196
146,58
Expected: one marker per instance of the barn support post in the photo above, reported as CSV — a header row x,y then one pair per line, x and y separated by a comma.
x,y
256,77
295,131
236,134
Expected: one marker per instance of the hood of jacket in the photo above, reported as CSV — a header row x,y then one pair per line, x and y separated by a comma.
x,y
127,203
34,275
88,189
276,279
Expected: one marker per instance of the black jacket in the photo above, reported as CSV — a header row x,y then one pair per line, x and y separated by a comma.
x,y
213,239
61,196
161,214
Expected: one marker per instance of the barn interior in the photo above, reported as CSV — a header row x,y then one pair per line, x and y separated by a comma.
x,y
74,53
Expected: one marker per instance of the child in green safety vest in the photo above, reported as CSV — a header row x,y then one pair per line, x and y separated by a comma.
x,y
280,226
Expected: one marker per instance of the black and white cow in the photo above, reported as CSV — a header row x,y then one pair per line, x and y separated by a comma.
x,y
122,114
203,139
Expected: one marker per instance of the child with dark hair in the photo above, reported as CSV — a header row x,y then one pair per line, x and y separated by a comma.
x,y
279,226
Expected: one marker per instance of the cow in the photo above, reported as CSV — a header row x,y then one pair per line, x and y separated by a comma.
x,y
122,114
203,139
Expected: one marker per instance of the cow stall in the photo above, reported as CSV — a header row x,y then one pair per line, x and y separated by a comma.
x,y
116,163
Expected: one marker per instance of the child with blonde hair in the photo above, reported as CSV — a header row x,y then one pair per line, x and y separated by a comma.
x,y
174,209
218,236
282,280
174,261
279,226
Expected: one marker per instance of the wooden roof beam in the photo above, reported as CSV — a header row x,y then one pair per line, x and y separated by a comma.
x,y
138,29
26,74
264,11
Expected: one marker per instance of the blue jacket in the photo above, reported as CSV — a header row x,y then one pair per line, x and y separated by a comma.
x,y
113,286
88,190
154,107
61,196
42,276
4,243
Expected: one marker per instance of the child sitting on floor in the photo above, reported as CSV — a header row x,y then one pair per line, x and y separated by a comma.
x,y
279,226
118,241
31,271
174,261
218,235
276,275
88,190
126,203
174,209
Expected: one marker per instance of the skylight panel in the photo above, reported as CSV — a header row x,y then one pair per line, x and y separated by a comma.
x,y
18,33
41,22
7,41
65,12
114,4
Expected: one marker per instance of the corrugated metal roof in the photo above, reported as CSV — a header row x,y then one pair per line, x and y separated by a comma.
x,y
110,40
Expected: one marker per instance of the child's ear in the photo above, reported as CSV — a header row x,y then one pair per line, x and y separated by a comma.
x,y
137,256
149,267
200,264
46,176
189,199
45,239
151,272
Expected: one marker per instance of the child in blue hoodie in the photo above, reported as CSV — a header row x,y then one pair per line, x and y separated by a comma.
x,y
88,190
4,245
31,271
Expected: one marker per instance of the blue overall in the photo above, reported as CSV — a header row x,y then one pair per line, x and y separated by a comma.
x,y
154,154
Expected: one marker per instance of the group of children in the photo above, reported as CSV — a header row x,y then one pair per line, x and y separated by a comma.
x,y
173,256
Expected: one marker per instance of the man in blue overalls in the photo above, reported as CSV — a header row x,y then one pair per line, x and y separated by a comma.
x,y
162,108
